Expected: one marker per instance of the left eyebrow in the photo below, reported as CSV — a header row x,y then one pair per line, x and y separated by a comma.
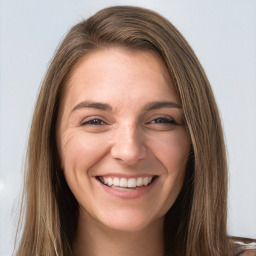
x,y
161,104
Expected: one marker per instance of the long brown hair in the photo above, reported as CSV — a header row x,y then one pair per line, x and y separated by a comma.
x,y
200,212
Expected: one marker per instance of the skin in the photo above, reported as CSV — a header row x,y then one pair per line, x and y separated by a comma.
x,y
127,137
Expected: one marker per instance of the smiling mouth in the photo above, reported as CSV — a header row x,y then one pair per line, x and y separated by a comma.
x,y
125,184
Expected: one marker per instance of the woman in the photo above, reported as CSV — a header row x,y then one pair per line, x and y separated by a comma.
x,y
126,153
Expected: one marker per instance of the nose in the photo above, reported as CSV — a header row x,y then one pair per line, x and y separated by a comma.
x,y
128,145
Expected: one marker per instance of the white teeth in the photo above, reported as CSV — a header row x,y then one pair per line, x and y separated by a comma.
x,y
110,182
123,182
139,182
116,182
145,181
132,183
122,189
126,183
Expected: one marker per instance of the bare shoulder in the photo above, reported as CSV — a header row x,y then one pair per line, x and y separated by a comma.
x,y
244,246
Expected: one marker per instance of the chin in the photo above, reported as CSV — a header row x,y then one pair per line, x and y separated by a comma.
x,y
130,221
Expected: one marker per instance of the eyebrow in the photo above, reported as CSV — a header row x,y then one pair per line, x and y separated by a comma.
x,y
91,104
161,104
148,107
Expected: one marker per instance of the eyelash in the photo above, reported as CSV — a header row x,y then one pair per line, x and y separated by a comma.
x,y
93,121
164,121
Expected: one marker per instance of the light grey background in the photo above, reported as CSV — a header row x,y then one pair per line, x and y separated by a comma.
x,y
223,35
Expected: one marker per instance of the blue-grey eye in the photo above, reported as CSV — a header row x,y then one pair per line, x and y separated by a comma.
x,y
93,122
162,120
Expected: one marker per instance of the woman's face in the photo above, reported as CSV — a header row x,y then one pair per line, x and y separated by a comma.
x,y
122,140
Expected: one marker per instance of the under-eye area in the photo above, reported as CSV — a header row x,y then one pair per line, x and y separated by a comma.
x,y
127,183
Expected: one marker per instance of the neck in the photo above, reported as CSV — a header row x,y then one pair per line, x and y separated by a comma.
x,y
94,239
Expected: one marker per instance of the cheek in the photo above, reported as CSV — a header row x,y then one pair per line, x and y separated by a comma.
x,y
173,151
80,152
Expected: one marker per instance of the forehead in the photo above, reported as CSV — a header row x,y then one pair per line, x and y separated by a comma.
x,y
117,71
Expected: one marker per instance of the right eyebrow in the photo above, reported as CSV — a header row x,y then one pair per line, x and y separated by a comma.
x,y
161,104
92,104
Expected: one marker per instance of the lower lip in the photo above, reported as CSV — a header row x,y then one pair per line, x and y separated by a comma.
x,y
131,194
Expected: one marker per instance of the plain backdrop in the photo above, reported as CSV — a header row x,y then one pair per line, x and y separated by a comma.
x,y
223,35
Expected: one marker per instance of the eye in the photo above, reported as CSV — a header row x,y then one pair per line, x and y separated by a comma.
x,y
163,120
93,121
162,123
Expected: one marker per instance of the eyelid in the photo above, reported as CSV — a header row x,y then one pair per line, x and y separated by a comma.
x,y
167,117
91,118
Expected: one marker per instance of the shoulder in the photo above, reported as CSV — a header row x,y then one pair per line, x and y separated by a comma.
x,y
244,246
